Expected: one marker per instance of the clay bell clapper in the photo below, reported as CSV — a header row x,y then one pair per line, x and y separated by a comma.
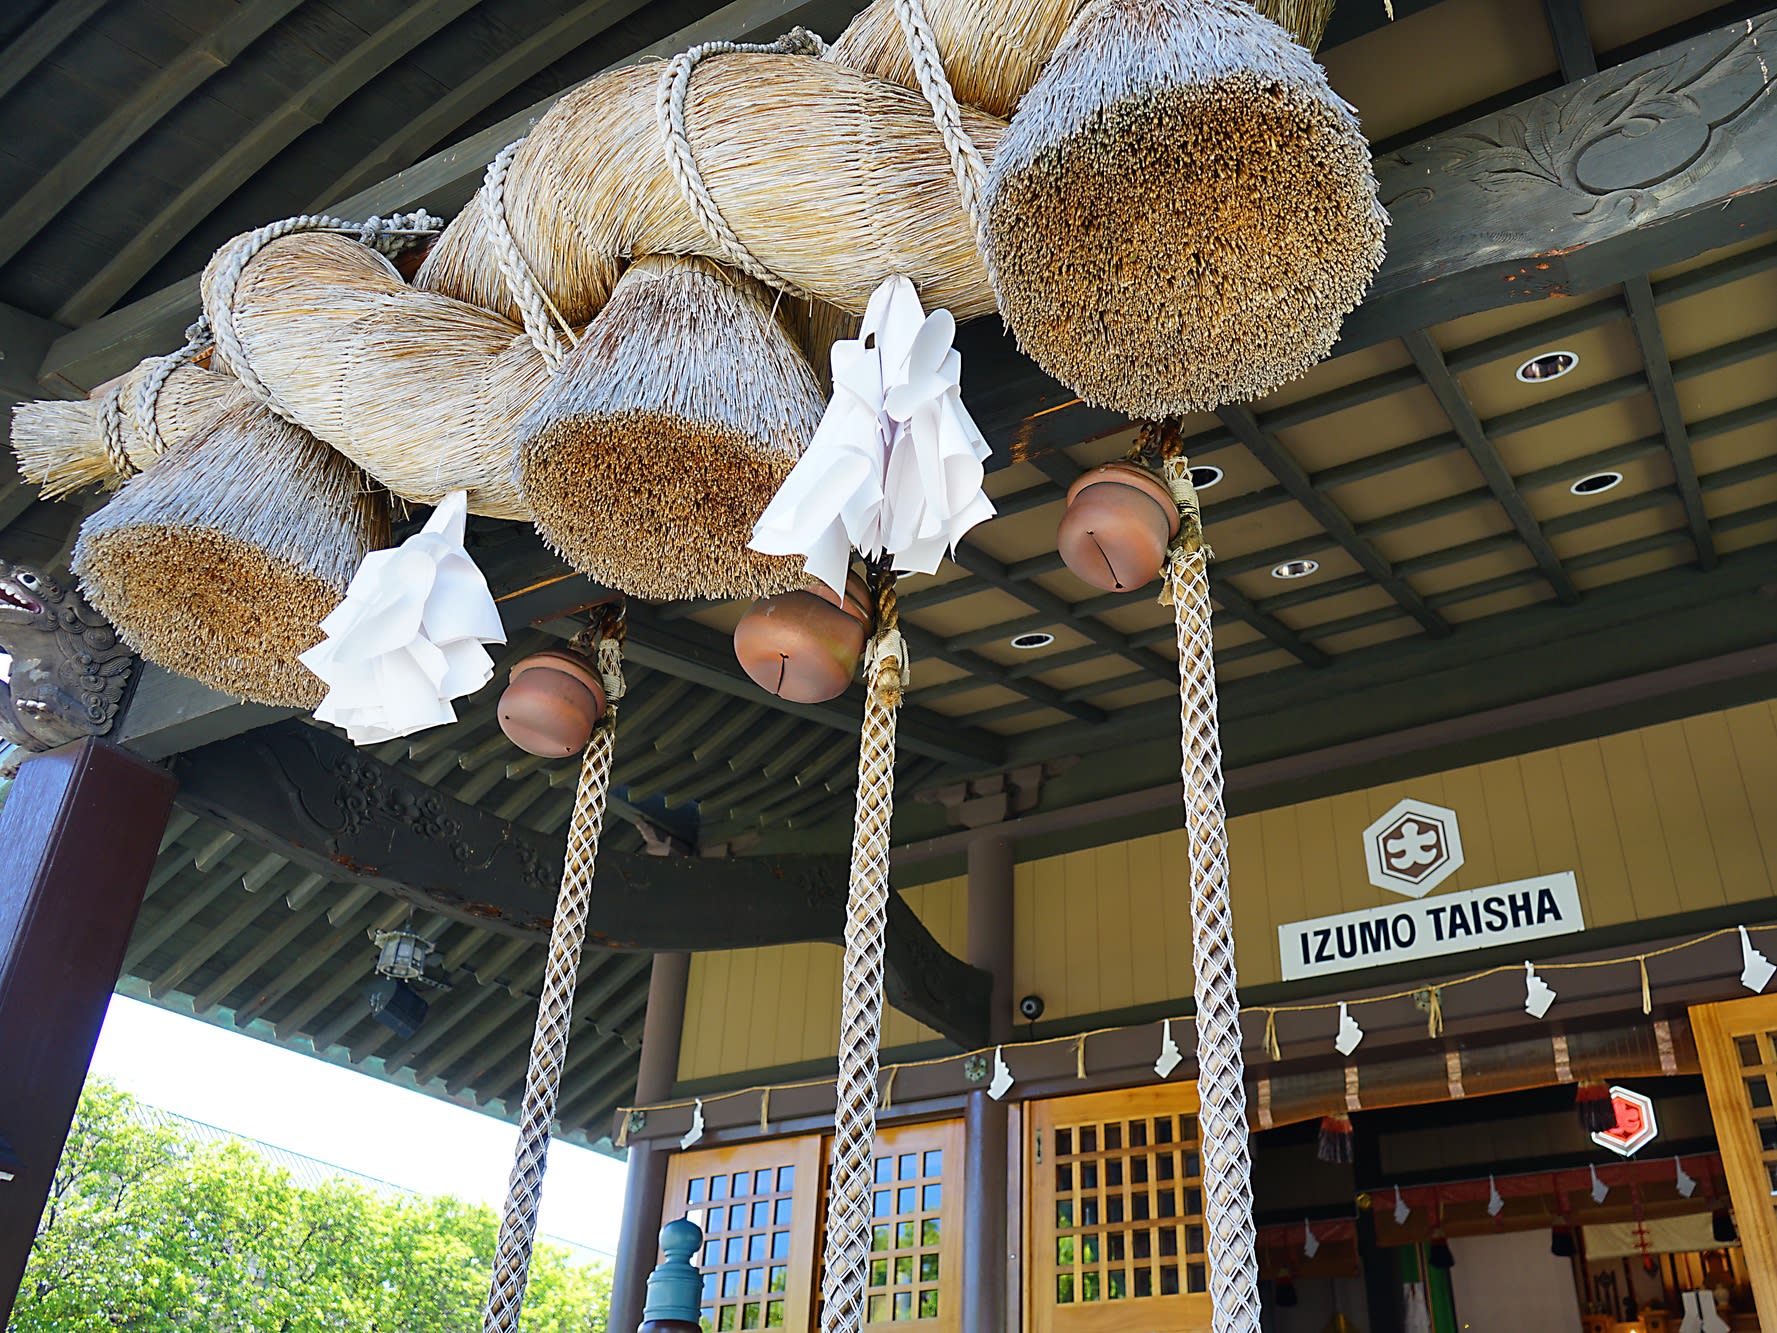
x,y
804,645
1120,518
552,702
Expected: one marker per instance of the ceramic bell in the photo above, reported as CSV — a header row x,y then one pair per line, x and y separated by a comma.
x,y
1119,520
804,646
552,702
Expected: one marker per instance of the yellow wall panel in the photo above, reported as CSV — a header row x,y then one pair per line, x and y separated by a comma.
x,y
1672,818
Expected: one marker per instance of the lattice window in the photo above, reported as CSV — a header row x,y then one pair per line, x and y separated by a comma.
x,y
915,1229
756,1205
1117,1212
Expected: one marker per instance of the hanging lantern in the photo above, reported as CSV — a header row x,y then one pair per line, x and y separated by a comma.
x,y
552,702
804,645
1287,1299
1439,1255
1119,520
1561,1242
1721,1226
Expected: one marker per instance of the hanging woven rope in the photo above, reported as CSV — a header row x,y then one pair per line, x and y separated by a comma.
x,y
860,1021
543,323
555,1008
1227,1156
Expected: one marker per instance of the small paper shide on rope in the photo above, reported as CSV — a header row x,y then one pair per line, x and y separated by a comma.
x,y
408,637
895,466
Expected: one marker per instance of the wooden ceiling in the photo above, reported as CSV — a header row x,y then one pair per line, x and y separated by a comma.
x,y
1431,487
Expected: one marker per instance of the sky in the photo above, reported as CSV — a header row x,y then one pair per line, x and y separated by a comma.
x,y
351,1120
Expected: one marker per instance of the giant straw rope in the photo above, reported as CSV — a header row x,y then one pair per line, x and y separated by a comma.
x,y
555,1007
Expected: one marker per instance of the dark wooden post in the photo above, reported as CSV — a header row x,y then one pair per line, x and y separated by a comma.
x,y
645,1188
985,1193
78,837
1381,1267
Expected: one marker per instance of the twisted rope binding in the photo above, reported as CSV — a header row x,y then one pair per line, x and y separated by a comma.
x,y
111,432
555,1011
860,1022
389,236
669,109
521,279
1227,1158
147,405
928,68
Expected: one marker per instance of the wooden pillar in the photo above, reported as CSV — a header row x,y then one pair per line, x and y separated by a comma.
x,y
78,836
1381,1269
985,1178
645,1188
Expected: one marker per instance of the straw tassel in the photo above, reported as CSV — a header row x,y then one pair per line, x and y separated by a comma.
x,y
1334,1144
1080,1057
1271,1047
1597,1110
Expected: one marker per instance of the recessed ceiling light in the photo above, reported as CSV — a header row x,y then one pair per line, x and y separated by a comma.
x,y
1295,569
1204,476
1547,366
1597,483
1027,643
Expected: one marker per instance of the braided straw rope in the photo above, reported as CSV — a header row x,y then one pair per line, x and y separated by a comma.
x,y
1227,1157
860,1022
388,235
521,279
111,431
928,67
555,1011
669,108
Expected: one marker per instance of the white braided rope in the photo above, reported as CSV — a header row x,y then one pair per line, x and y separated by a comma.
x,y
521,279
669,109
555,1011
1227,1156
928,67
388,235
847,1256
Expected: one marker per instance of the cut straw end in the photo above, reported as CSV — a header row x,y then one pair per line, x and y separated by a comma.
x,y
1182,212
667,432
220,562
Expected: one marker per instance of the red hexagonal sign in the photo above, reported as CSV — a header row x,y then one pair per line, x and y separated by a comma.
x,y
1636,1125
1413,848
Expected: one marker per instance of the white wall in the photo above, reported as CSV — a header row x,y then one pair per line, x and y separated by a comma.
x,y
1510,1283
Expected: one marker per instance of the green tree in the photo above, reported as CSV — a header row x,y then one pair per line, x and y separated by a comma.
x,y
148,1231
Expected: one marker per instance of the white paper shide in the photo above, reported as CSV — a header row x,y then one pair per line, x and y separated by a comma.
x,y
408,637
895,466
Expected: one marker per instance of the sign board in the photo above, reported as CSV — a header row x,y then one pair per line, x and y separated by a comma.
x,y
1524,910
1636,1126
1413,848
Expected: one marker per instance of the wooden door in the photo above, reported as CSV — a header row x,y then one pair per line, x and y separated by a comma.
x,y
914,1282
757,1204
1737,1049
1115,1225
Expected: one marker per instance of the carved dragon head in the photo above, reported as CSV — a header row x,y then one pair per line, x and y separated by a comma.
x,y
29,597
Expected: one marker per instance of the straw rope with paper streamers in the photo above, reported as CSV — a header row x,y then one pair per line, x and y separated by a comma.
x,y
1227,1159
555,1007
860,1019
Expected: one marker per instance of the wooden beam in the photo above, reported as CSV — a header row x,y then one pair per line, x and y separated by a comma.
x,y
168,713
256,146
1573,44
1461,412
1566,193
139,113
24,53
316,800
1275,459
1646,319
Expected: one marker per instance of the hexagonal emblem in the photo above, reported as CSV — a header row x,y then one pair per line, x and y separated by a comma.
x,y
1636,1126
1413,848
